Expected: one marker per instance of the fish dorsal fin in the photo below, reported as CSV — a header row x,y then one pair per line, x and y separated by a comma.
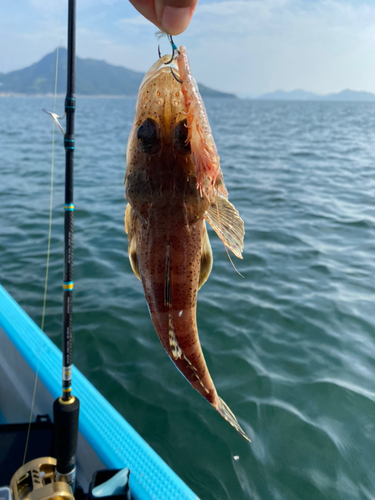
x,y
206,257
227,223
132,239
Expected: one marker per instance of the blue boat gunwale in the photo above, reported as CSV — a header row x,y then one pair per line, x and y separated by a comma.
x,y
112,438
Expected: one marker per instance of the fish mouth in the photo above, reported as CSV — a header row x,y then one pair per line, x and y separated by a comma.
x,y
157,68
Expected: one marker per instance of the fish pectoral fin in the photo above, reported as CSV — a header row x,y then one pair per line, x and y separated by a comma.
x,y
128,220
227,223
206,258
130,229
133,257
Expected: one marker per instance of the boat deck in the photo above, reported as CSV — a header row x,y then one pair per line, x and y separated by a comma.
x,y
103,431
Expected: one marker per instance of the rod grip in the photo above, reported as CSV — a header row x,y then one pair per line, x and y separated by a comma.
x,y
65,416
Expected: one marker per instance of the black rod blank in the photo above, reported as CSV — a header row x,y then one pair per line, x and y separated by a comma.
x,y
66,408
69,143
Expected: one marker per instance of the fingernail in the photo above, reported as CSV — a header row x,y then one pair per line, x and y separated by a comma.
x,y
175,19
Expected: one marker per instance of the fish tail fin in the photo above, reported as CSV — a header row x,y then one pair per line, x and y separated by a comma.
x,y
229,416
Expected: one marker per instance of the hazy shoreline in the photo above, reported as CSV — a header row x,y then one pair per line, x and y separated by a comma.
x,y
262,98
100,96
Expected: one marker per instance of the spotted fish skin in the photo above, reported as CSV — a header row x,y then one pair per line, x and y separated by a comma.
x,y
169,249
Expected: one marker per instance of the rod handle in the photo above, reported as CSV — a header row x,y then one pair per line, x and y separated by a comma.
x,y
65,416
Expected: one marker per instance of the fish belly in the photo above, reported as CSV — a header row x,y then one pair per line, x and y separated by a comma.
x,y
169,259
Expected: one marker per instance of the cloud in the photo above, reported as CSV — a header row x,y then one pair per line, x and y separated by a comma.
x,y
258,46
100,45
53,5
134,21
245,46
27,43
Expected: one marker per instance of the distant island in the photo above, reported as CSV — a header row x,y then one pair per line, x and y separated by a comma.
x,y
95,77
302,95
92,78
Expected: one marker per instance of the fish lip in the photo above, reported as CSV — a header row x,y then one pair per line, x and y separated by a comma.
x,y
156,69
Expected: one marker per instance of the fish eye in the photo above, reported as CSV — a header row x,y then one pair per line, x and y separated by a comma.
x,y
180,137
148,136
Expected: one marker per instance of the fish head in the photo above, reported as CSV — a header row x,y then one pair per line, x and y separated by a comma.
x,y
159,165
159,126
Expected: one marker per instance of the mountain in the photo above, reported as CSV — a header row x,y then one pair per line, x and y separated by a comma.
x,y
294,95
92,78
207,92
302,95
350,95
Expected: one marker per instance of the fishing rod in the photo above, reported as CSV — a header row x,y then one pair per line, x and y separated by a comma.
x,y
66,408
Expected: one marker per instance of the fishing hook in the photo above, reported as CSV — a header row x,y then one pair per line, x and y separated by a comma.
x,y
175,77
174,48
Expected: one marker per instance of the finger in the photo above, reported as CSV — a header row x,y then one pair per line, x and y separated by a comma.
x,y
147,9
174,15
171,16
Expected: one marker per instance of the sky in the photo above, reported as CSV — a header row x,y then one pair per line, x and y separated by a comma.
x,y
248,47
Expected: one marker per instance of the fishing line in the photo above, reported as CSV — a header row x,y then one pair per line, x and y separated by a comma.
x,y
49,237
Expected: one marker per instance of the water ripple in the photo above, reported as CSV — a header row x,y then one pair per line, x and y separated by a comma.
x,y
290,346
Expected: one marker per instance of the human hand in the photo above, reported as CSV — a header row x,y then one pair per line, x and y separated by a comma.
x,y
171,16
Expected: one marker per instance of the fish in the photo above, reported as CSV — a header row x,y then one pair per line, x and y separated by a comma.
x,y
173,186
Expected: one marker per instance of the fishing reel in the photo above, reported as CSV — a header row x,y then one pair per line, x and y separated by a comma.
x,y
37,480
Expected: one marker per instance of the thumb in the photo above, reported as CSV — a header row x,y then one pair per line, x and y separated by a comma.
x,y
174,16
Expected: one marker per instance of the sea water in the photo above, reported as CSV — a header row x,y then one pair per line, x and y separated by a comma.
x,y
290,345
